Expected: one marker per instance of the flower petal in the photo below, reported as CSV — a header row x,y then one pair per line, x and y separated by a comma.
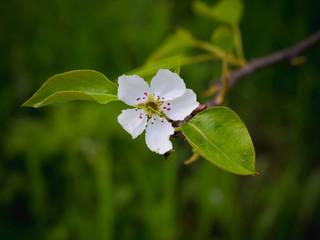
x,y
132,89
179,108
134,121
167,85
157,135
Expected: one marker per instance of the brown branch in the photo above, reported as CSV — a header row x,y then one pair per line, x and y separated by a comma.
x,y
266,61
255,65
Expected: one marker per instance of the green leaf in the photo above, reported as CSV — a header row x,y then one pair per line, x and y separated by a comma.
x,y
219,136
74,85
223,37
227,11
174,45
148,71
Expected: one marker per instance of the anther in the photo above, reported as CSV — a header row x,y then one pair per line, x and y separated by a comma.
x,y
138,99
168,109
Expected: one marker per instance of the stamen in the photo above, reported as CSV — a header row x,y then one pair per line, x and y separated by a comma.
x,y
146,94
164,108
138,99
168,104
140,117
168,109
144,98
162,98
136,109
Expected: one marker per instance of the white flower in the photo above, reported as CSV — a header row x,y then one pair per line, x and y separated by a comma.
x,y
166,98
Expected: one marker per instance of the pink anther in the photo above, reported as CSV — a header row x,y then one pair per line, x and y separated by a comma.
x,y
140,117
164,108
146,94
138,99
168,104
168,109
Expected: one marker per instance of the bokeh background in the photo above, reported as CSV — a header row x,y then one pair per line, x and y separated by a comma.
x,y
69,171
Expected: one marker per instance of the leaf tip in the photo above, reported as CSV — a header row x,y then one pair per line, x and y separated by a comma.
x,y
27,104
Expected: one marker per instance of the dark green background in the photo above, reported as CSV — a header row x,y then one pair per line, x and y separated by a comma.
x,y
69,171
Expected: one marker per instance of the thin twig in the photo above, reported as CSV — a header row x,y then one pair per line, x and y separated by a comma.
x,y
266,61
257,64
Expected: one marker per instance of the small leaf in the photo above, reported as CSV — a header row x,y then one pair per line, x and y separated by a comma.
x,y
201,8
175,44
219,136
228,11
148,71
223,37
74,85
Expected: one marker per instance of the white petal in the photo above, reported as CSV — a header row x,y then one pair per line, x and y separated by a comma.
x,y
157,135
134,121
179,108
167,84
132,89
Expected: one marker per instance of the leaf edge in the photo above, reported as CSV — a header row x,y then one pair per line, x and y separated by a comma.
x,y
254,173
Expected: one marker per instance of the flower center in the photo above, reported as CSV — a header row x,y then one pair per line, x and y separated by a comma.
x,y
152,106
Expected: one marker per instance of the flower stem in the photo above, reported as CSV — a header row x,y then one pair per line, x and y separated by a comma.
x,y
177,129
192,159
238,41
225,82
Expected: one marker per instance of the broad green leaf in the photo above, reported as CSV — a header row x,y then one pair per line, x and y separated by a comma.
x,y
228,11
219,136
74,85
223,37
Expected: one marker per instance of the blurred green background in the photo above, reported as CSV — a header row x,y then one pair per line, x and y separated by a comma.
x,y
69,171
